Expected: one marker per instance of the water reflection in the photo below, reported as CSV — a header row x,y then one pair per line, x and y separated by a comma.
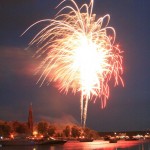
x,y
96,145
103,145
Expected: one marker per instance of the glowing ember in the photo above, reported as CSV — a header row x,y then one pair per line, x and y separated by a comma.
x,y
79,54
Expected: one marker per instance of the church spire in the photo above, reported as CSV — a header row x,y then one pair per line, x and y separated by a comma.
x,y
30,119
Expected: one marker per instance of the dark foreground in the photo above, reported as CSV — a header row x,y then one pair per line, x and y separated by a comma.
x,y
95,145
30,142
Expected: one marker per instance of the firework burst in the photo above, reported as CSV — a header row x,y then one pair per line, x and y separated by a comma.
x,y
79,53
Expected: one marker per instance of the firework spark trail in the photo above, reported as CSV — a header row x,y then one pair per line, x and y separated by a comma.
x,y
78,54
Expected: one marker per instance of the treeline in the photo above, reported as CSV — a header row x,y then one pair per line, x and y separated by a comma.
x,y
15,127
45,128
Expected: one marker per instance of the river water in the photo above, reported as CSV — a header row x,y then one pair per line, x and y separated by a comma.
x,y
95,145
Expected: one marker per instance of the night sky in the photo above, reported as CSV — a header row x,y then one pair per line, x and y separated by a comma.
x,y
128,108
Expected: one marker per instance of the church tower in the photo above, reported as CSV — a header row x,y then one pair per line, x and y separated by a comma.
x,y
30,119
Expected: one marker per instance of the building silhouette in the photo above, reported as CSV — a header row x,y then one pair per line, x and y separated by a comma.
x,y
30,119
